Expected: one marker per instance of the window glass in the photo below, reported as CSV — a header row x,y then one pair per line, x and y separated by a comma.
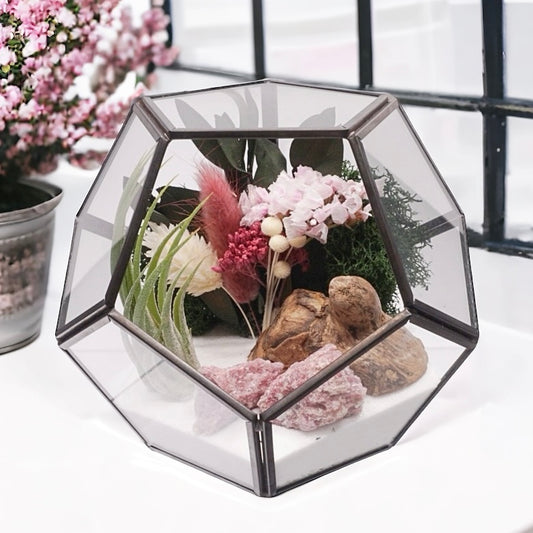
x,y
312,40
519,193
214,33
428,45
454,142
518,44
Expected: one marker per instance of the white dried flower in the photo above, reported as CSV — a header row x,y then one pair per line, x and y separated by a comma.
x,y
281,269
196,251
271,226
278,243
298,242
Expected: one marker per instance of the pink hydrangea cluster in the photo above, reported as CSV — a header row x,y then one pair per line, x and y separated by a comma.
x,y
307,202
45,46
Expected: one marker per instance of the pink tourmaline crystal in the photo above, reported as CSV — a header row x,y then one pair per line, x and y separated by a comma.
x,y
341,396
246,382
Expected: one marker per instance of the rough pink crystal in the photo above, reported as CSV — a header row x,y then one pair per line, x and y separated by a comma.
x,y
246,382
341,396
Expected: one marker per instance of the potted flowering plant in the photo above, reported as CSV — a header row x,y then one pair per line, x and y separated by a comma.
x,y
48,49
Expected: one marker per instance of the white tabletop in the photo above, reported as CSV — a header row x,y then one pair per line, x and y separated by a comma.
x,y
70,463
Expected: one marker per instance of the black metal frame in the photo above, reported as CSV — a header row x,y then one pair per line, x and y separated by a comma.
x,y
259,425
493,105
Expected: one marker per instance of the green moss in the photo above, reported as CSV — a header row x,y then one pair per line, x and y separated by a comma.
x,y
409,234
199,318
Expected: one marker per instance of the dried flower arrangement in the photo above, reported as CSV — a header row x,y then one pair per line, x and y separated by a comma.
x,y
256,246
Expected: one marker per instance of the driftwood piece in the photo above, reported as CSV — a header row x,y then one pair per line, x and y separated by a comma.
x,y
308,320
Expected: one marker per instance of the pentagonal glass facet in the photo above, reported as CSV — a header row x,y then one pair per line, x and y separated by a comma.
x,y
262,106
300,455
104,219
426,226
268,281
167,408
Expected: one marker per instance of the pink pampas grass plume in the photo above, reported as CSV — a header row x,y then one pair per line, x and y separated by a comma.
x,y
221,216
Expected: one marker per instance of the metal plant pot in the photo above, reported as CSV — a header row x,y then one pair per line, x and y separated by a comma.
x,y
26,234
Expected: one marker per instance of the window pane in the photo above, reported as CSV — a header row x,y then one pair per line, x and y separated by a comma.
x,y
519,195
428,45
214,33
518,45
312,40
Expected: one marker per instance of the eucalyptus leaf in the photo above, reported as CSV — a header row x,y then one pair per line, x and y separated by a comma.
x,y
210,148
190,117
232,147
270,162
324,119
322,154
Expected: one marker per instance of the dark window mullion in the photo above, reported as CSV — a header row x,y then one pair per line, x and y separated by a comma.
x,y
259,39
364,25
494,124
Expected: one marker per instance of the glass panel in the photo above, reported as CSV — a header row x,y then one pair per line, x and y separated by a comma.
x,y
392,147
519,194
263,105
105,218
299,454
428,45
166,407
425,223
518,44
214,33
89,272
129,161
312,40
454,140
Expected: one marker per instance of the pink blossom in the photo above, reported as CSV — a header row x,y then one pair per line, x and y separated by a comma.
x,y
34,44
41,111
66,17
7,56
254,204
307,202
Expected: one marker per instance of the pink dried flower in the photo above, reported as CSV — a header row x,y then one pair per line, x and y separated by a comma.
x,y
220,215
247,247
219,218
307,202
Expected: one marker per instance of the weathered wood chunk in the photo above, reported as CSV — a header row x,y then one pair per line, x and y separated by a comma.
x,y
308,320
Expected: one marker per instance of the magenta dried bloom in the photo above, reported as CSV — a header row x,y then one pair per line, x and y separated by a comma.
x,y
247,248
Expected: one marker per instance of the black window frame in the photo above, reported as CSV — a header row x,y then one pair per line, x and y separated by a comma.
x,y
494,105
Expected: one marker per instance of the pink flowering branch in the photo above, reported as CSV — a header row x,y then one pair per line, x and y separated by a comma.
x,y
45,47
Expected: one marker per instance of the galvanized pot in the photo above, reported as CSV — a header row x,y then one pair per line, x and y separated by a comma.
x,y
26,234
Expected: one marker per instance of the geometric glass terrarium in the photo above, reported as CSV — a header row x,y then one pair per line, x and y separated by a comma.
x,y
268,280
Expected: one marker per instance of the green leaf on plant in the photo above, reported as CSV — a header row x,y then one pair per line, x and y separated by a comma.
x,y
270,162
322,154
